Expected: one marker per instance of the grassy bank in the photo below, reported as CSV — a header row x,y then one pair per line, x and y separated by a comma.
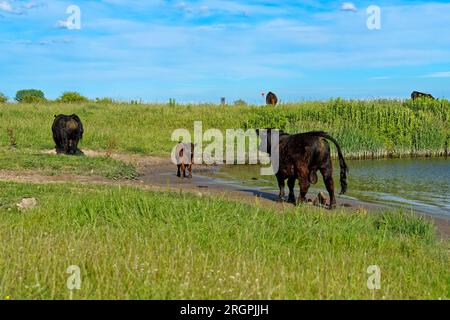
x,y
366,129
131,243
49,164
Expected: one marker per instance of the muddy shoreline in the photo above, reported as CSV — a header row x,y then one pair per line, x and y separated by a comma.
x,y
164,175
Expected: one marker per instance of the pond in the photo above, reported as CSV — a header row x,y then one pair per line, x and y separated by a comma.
x,y
419,184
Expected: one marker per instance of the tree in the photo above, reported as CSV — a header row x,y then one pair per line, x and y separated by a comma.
x,y
3,98
30,96
71,97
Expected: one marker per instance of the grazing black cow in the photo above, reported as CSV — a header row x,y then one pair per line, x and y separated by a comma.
x,y
184,155
300,157
67,132
271,99
417,95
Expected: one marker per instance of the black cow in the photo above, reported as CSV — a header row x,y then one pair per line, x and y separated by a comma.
x,y
300,157
271,99
417,95
67,132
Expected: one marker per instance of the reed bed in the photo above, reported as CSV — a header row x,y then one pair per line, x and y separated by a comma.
x,y
365,129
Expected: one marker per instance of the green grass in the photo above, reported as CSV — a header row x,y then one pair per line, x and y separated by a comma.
x,y
134,244
365,129
47,164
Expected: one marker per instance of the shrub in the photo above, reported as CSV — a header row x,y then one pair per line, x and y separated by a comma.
x,y
30,96
240,102
32,99
3,98
71,97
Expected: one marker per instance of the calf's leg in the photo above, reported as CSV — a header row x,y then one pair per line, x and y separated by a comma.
x,y
183,168
189,167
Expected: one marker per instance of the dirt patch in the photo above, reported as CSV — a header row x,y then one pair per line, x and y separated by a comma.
x,y
137,160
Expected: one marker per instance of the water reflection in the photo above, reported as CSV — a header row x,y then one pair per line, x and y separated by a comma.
x,y
417,184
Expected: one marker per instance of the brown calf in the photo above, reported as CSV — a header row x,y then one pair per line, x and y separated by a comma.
x,y
185,158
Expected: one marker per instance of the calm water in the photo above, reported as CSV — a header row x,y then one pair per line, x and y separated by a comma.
x,y
418,184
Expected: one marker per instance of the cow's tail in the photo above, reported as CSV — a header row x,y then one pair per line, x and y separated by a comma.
x,y
342,163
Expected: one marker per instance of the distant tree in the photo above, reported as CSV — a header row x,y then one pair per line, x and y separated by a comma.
x,y
30,96
3,98
240,102
71,97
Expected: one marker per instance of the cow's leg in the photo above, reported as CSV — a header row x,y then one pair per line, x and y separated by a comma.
x,y
75,146
291,186
179,171
60,141
66,144
327,174
280,180
304,183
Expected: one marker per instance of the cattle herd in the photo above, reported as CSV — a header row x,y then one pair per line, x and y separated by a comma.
x,y
300,155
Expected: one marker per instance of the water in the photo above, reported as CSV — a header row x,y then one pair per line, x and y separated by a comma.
x,y
421,185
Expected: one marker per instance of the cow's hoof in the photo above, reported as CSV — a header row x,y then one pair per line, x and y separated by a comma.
x,y
292,200
281,200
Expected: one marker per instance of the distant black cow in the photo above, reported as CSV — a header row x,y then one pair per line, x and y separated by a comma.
x,y
300,157
67,132
271,99
416,95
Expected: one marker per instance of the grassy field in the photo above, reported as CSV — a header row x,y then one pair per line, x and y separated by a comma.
x,y
135,244
365,129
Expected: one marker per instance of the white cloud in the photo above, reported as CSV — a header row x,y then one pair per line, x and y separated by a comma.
x,y
31,5
445,74
183,7
380,78
6,6
349,6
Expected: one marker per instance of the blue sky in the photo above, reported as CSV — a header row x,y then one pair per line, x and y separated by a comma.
x,y
199,51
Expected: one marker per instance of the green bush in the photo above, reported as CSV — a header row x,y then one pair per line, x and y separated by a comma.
x,y
3,98
32,99
71,97
30,96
